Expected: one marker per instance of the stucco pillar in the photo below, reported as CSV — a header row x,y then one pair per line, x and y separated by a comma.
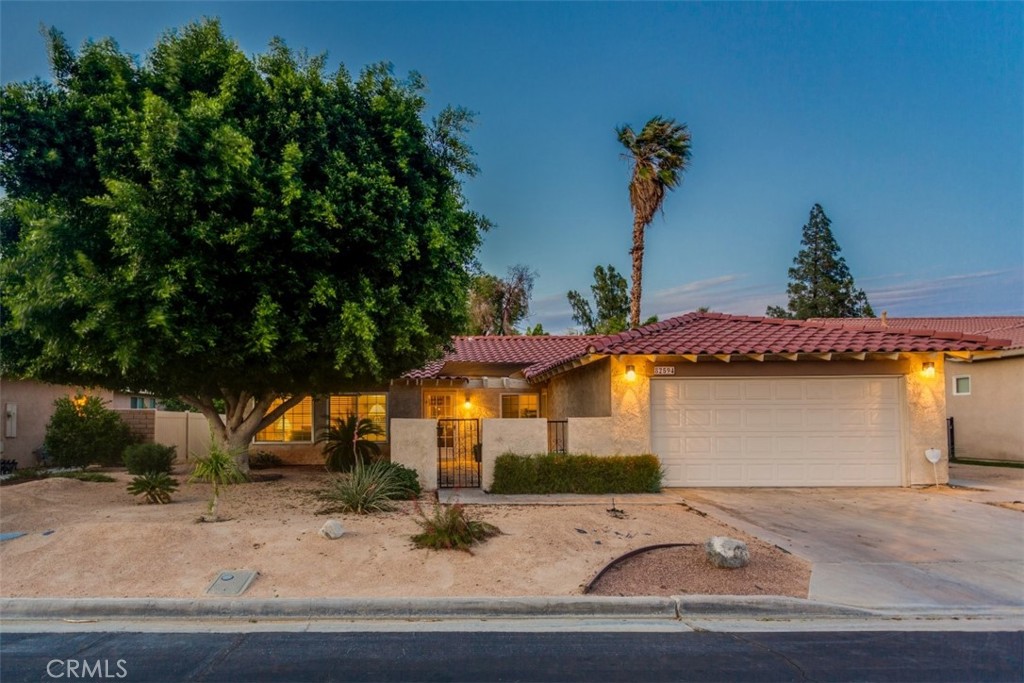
x,y
925,422
414,444
526,436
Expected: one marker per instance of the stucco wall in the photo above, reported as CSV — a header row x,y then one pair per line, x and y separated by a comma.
x,y
590,435
33,404
584,392
989,422
414,444
189,433
924,422
520,436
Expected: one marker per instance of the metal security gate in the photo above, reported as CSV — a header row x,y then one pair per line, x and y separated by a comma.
x,y
458,453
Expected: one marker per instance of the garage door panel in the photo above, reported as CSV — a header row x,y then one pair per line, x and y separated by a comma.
x,y
779,432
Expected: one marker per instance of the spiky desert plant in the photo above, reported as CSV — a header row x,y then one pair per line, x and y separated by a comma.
x,y
449,527
157,487
367,488
345,442
219,468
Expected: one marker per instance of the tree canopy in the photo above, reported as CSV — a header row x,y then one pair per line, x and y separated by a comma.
x,y
660,154
211,225
498,305
611,301
820,283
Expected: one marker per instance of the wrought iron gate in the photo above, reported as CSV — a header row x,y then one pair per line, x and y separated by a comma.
x,y
458,453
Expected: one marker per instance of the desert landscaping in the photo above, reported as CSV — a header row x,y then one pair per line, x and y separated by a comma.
x,y
89,539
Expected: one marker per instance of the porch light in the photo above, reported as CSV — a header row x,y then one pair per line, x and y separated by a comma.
x,y
928,369
630,373
468,404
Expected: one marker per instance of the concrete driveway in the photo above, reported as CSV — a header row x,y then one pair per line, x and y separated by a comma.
x,y
894,548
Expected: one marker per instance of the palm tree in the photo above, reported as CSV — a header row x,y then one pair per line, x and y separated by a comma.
x,y
345,442
660,155
219,468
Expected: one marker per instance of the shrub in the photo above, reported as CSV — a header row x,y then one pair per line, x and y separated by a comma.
x,y
345,445
157,487
83,476
262,460
566,473
85,434
149,457
449,527
367,488
407,479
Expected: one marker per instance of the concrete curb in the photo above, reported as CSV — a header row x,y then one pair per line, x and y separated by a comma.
x,y
350,609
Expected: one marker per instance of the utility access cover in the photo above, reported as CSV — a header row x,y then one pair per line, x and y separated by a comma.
x,y
231,582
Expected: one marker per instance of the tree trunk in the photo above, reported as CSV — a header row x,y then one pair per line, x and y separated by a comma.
x,y
246,414
638,272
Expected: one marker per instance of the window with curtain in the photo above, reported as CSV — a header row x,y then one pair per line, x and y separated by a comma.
x,y
372,406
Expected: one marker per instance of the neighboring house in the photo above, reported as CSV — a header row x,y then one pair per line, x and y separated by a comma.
x,y
722,400
27,406
984,396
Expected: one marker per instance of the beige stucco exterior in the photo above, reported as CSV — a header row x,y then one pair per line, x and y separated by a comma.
x,y
27,407
522,437
414,444
989,422
628,429
582,392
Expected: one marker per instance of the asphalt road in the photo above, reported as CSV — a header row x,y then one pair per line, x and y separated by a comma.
x,y
458,656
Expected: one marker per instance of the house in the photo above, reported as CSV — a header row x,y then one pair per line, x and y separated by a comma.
x,y
984,395
722,400
28,405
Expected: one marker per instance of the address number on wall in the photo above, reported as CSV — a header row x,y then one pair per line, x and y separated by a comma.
x,y
664,370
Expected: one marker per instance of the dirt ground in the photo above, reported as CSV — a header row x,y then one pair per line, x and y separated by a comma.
x,y
87,539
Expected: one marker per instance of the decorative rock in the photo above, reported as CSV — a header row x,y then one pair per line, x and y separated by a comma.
x,y
726,552
332,529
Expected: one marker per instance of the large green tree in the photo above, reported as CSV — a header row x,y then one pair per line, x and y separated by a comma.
x,y
611,303
498,305
820,283
212,225
660,154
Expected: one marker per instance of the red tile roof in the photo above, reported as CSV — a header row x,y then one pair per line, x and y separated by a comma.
x,y
1006,326
717,333
526,351
705,333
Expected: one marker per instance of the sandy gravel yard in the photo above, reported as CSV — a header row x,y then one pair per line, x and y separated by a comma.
x,y
86,539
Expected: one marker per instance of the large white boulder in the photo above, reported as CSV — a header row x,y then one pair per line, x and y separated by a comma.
x,y
332,529
727,552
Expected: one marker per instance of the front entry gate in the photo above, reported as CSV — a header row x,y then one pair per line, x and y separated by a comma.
x,y
458,453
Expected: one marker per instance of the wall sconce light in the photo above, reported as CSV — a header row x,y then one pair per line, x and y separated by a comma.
x,y
928,369
468,404
630,373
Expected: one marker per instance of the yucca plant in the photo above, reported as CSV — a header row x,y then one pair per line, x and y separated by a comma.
x,y
449,527
157,487
346,445
367,488
218,468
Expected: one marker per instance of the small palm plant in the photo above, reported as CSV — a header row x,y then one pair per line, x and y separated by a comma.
x,y
157,487
346,445
449,527
218,468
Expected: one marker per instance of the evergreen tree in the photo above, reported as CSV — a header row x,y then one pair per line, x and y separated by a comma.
x,y
820,284
612,302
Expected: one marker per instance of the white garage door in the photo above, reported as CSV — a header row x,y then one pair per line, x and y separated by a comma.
x,y
778,432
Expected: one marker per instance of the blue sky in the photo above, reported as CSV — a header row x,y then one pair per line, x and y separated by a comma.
x,y
905,121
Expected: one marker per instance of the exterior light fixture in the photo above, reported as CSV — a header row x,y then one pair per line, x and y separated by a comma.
x,y
468,404
928,369
630,373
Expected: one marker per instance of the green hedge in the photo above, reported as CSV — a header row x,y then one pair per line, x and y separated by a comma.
x,y
567,473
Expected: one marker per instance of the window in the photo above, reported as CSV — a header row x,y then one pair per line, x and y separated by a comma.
x,y
438,406
520,405
373,406
295,425
142,402
962,385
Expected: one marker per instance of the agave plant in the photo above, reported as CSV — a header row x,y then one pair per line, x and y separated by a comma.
x,y
157,487
218,468
345,442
